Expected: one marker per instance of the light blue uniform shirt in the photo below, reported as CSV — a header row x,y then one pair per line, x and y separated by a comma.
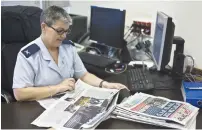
x,y
36,67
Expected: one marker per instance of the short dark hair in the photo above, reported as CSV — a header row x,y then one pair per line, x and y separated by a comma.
x,y
54,13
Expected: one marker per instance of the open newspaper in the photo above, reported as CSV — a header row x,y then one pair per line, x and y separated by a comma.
x,y
154,110
47,102
85,109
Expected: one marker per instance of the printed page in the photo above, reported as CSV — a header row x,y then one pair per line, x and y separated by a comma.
x,y
120,114
46,103
74,112
160,108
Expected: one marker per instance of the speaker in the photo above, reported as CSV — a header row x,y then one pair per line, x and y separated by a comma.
x,y
178,60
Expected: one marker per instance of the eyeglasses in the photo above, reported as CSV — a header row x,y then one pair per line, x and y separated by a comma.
x,y
60,31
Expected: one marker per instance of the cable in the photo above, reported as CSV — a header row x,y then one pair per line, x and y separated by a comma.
x,y
148,56
190,77
169,66
128,35
83,37
193,62
134,39
128,31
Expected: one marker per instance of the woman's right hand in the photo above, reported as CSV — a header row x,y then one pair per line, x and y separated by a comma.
x,y
66,85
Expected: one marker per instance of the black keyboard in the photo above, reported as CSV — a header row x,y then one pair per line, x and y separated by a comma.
x,y
139,80
96,60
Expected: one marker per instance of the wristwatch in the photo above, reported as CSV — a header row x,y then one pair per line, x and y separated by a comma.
x,y
101,83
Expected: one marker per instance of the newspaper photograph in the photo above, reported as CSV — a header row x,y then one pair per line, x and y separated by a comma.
x,y
47,102
160,108
79,111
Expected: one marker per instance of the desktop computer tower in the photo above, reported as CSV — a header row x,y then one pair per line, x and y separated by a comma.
x,y
78,28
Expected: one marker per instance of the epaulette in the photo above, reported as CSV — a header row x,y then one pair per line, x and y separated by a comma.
x,y
68,42
30,50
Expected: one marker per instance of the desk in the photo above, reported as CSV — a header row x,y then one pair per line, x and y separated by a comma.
x,y
19,115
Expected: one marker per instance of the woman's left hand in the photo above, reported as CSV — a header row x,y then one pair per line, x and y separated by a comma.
x,y
113,85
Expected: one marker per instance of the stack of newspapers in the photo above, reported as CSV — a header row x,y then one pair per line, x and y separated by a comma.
x,y
84,108
158,111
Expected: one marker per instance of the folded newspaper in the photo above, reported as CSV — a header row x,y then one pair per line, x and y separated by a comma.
x,y
145,108
84,108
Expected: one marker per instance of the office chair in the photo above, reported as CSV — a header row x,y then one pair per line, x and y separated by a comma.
x,y
13,40
8,59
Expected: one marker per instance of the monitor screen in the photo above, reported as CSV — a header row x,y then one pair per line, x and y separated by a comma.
x,y
107,26
163,37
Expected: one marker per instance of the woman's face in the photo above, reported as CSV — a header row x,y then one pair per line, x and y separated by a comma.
x,y
56,33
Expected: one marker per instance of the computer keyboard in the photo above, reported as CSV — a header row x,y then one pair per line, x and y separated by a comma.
x,y
139,80
96,60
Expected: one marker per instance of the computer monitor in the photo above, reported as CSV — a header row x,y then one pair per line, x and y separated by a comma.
x,y
163,40
107,26
78,28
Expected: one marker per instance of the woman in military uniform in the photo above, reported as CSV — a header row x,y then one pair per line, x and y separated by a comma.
x,y
50,64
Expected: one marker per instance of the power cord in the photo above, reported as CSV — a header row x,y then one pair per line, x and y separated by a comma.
x,y
193,62
134,39
129,30
149,56
188,73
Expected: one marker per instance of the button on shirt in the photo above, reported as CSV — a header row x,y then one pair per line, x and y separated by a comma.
x,y
36,67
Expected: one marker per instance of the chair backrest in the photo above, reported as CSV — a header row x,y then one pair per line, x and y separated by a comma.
x,y
20,25
8,59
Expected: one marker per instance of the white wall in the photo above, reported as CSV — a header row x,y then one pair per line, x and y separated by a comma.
x,y
186,16
43,4
26,3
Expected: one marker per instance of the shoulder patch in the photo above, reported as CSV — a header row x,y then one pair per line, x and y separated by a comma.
x,y
68,42
30,50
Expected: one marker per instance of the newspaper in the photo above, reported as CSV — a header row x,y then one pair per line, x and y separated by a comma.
x,y
46,103
148,120
157,110
85,110
139,119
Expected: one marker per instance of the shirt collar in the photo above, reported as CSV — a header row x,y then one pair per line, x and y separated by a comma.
x,y
45,53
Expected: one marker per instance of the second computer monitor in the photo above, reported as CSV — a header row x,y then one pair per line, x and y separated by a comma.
x,y
107,26
163,40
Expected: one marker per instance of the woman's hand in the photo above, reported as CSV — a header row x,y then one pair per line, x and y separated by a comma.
x,y
66,85
119,86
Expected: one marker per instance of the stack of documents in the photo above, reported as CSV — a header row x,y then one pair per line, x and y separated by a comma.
x,y
158,111
84,108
